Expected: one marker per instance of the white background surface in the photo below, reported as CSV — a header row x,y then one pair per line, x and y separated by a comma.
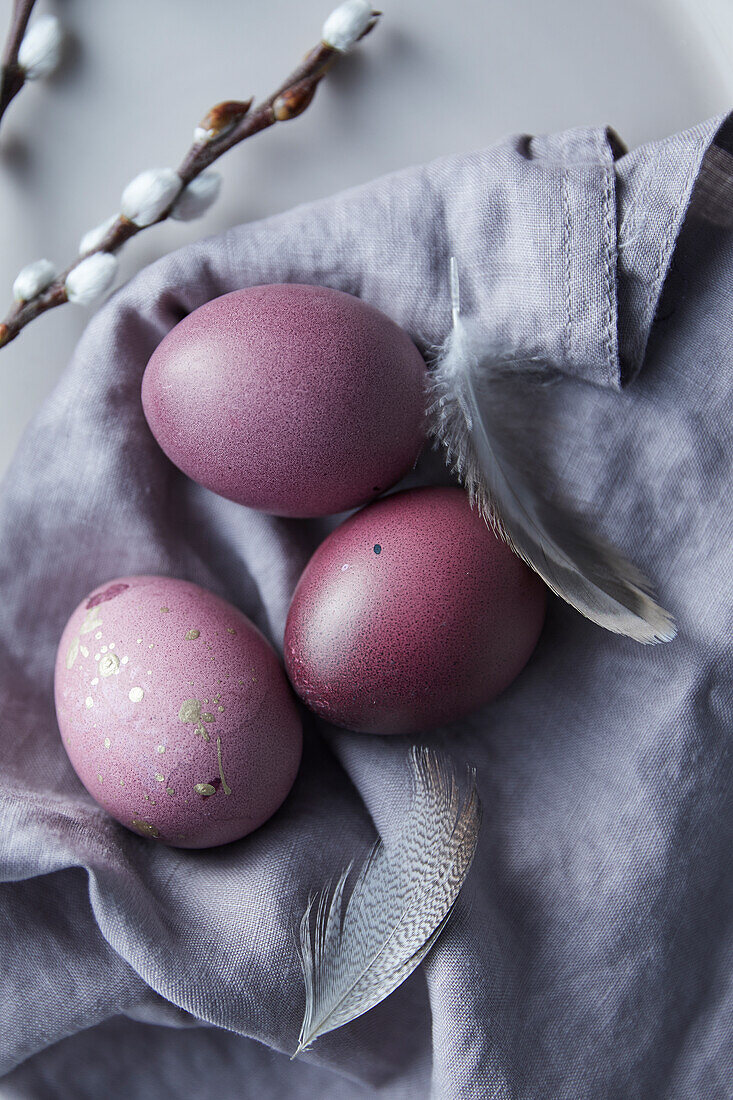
x,y
434,78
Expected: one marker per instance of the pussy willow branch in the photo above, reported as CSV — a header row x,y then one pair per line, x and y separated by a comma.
x,y
12,77
286,102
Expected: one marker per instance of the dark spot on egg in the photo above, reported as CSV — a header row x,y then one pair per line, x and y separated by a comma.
x,y
444,625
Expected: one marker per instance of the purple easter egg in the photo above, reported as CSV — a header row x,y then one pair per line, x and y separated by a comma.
x,y
409,615
175,712
297,400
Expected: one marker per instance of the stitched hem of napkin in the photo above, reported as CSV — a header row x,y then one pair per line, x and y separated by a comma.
x,y
654,188
583,294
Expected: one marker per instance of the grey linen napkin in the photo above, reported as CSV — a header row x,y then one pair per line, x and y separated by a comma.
x,y
591,954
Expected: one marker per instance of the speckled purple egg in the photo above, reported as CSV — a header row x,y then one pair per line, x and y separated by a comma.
x,y
409,615
297,400
175,712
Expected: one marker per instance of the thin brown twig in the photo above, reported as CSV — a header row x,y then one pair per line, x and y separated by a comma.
x,y
12,77
234,122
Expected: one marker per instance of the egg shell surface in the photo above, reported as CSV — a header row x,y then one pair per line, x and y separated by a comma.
x,y
296,400
175,712
409,615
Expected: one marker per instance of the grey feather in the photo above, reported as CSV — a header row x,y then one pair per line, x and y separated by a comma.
x,y
354,953
476,413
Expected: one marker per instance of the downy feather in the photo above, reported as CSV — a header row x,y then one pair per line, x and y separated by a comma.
x,y
355,952
476,414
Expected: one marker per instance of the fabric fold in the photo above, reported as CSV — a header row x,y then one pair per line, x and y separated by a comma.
x,y
654,185
591,954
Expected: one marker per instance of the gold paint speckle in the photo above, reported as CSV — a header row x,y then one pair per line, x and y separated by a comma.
x,y
107,742
149,672
220,708
150,646
111,645
169,790
99,777
122,782
73,653
98,635
139,641
84,651
136,694
224,787
89,701
109,664
190,710
164,609
91,622
230,631
125,659
192,635
144,827
161,748
204,788
103,649
160,777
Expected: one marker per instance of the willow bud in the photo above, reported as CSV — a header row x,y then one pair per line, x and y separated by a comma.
x,y
40,50
33,279
89,280
149,195
347,23
221,118
196,198
294,101
94,237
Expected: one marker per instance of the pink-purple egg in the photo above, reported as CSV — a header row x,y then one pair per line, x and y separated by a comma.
x,y
175,712
410,615
296,400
